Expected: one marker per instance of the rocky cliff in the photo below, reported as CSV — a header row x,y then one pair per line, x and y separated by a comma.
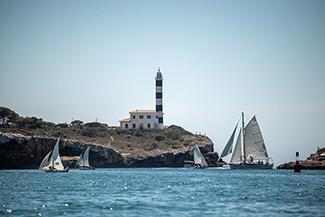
x,y
315,161
24,141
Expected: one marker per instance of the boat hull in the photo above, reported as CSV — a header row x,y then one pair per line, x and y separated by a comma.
x,y
57,171
193,166
251,166
86,168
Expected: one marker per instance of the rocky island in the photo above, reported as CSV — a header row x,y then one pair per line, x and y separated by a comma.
x,y
315,161
24,141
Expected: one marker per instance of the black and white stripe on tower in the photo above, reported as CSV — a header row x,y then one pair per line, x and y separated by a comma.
x,y
159,97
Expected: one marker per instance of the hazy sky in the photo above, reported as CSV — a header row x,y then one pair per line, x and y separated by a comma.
x,y
85,59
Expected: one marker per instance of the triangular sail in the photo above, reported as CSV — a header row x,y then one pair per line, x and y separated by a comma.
x,y
57,164
254,142
237,155
228,148
80,160
85,158
197,155
204,163
46,161
199,158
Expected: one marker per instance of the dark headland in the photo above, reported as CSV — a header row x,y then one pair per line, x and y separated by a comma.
x,y
24,141
315,161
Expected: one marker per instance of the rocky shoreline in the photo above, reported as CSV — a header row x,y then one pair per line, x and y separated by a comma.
x,y
19,151
25,141
315,161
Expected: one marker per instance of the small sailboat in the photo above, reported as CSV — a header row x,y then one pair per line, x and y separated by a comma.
x,y
250,150
199,161
83,161
52,161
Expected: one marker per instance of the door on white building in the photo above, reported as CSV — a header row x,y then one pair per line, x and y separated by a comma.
x,y
141,126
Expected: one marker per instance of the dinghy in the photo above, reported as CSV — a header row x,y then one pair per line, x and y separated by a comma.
x,y
250,150
83,161
199,161
52,161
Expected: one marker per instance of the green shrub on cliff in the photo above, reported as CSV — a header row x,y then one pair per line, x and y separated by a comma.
x,y
76,123
29,122
6,112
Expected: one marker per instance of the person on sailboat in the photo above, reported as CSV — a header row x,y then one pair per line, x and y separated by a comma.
x,y
248,147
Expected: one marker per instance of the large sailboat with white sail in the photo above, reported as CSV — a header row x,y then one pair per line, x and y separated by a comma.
x,y
52,161
249,151
199,161
83,161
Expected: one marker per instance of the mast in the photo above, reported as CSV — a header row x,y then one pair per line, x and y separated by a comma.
x,y
243,128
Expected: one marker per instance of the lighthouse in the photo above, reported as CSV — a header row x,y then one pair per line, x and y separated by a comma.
x,y
159,100
147,119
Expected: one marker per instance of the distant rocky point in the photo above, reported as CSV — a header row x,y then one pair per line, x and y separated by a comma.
x,y
24,141
315,161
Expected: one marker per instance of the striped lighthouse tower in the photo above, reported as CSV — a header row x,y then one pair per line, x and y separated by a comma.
x,y
159,93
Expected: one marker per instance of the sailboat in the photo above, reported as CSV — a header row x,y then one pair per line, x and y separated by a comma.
x,y
199,161
52,161
250,150
83,161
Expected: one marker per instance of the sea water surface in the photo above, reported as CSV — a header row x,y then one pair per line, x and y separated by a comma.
x,y
162,192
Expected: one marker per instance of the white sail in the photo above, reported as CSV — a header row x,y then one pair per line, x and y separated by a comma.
x,y
80,161
199,158
57,164
85,158
197,155
237,155
254,142
204,163
228,148
46,162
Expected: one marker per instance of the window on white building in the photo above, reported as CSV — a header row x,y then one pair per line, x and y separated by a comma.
x,y
134,126
133,116
149,125
126,126
141,116
148,116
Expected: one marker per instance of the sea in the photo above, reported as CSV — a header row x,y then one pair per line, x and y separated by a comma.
x,y
162,192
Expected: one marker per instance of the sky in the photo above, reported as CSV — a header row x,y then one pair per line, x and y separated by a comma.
x,y
63,60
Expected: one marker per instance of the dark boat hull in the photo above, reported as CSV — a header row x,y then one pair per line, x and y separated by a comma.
x,y
251,166
193,166
58,171
86,168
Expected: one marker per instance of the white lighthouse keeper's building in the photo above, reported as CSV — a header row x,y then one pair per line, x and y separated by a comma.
x,y
147,118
